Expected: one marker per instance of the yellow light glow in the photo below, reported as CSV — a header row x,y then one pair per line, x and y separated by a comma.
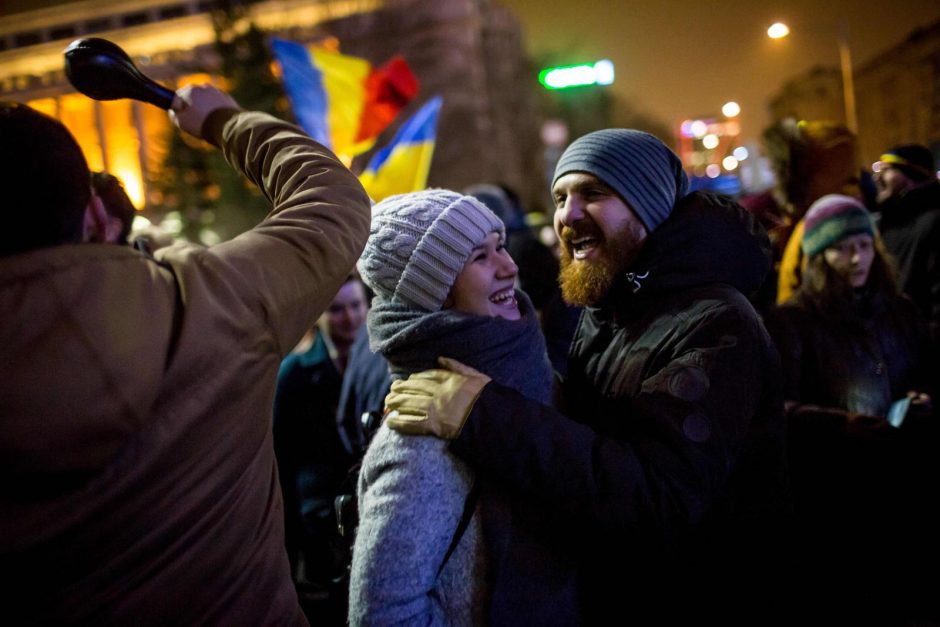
x,y
731,109
729,163
123,147
698,128
778,30
45,105
157,131
77,113
710,141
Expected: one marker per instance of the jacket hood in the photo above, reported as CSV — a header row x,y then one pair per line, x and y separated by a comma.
x,y
78,377
707,239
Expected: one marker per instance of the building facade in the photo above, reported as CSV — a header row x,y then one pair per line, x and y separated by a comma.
x,y
470,52
897,96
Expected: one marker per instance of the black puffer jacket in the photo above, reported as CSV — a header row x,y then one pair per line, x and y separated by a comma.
x,y
910,226
858,360
672,457
864,491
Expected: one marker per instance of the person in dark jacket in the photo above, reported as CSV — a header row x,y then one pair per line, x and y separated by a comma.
x,y
669,461
909,201
854,356
312,459
851,345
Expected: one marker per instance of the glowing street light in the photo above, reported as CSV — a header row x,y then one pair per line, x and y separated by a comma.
x,y
729,163
778,30
710,141
731,109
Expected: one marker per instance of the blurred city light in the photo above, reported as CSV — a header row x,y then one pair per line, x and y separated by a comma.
x,y
710,141
778,30
713,170
731,109
141,223
740,153
698,128
604,72
554,133
729,163
563,77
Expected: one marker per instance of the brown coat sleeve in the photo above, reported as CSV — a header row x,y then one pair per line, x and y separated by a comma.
x,y
289,266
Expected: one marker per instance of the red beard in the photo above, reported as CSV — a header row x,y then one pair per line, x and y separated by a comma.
x,y
584,283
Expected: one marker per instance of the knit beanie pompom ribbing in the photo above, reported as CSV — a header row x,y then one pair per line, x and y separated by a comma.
x,y
419,242
831,219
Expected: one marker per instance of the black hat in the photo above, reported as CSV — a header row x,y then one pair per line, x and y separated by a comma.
x,y
914,160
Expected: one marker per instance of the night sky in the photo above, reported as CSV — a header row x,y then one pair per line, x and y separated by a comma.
x,y
677,59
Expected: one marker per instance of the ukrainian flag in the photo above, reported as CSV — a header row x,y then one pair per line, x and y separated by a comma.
x,y
341,100
403,165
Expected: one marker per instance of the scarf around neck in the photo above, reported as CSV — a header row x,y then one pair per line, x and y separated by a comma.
x,y
512,352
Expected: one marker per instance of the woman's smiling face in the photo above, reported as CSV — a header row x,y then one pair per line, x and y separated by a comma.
x,y
485,286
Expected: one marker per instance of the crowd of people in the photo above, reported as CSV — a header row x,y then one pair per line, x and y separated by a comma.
x,y
694,408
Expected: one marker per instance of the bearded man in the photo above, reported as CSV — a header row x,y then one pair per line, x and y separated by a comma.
x,y
664,471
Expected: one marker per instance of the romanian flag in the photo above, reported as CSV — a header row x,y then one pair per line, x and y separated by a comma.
x,y
403,165
342,101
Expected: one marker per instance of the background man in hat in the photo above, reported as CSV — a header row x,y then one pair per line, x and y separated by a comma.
x,y
909,201
669,457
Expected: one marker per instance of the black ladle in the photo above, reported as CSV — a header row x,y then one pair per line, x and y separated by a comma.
x,y
101,70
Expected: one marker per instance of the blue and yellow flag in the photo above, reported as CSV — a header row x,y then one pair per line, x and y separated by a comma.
x,y
403,165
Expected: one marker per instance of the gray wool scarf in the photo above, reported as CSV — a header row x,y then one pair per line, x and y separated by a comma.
x,y
512,352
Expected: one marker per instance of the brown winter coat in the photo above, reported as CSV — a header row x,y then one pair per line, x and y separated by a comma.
x,y
138,476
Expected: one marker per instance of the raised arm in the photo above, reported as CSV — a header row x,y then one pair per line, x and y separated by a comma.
x,y
294,261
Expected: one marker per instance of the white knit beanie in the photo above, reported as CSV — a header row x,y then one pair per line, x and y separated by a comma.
x,y
419,243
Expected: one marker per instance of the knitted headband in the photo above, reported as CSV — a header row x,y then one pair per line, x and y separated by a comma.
x,y
636,165
832,218
419,242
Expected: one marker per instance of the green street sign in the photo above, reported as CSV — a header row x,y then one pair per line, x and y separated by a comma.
x,y
565,76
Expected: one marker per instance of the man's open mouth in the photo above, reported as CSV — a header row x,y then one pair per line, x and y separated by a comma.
x,y
581,246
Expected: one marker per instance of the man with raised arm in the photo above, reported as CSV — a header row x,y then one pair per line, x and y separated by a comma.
x,y
136,460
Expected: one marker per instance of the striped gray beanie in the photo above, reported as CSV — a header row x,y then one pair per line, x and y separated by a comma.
x,y
419,243
636,165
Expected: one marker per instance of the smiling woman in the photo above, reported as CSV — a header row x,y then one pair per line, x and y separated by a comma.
x,y
485,284
444,284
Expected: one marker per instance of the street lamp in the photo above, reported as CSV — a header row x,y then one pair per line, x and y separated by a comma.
x,y
779,30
